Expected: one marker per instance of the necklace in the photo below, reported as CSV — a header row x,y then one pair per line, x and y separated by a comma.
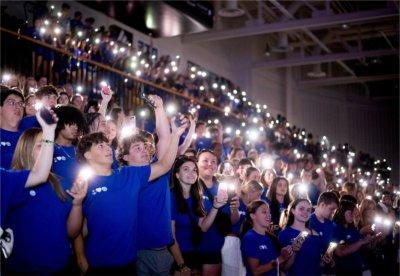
x,y
66,153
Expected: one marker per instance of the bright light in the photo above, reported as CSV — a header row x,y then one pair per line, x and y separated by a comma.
x,y
223,87
303,188
267,163
103,83
46,22
79,89
207,135
192,76
212,100
173,63
201,87
290,176
127,131
174,68
42,30
122,49
59,14
333,161
204,74
255,120
215,85
6,77
57,31
216,121
171,109
193,69
227,109
138,73
378,219
85,173
80,33
108,118
142,113
166,70
228,130
237,132
38,105
387,222
350,160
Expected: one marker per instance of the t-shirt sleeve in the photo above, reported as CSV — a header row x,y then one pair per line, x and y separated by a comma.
x,y
173,207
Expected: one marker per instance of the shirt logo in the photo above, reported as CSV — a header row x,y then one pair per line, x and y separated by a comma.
x,y
8,144
348,237
263,247
242,213
32,193
59,158
99,190
321,234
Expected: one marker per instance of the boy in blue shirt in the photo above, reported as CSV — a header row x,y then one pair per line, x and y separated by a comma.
x,y
12,110
111,205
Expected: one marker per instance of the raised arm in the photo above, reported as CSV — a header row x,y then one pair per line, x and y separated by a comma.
x,y
165,163
106,95
162,126
189,137
41,168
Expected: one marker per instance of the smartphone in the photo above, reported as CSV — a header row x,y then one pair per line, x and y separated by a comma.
x,y
106,89
231,192
146,99
46,115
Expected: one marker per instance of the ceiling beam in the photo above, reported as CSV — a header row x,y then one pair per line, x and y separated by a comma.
x,y
345,80
291,25
298,61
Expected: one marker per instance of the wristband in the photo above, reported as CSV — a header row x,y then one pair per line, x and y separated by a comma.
x,y
181,266
47,141
215,207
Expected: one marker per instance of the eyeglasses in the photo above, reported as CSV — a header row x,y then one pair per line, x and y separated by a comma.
x,y
13,103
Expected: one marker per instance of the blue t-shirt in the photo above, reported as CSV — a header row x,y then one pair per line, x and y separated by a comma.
x,y
111,210
353,263
41,244
28,122
325,229
308,259
9,140
258,247
203,143
184,222
12,187
154,221
313,194
65,164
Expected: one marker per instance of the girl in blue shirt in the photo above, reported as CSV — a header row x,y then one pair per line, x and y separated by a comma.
x,y
44,222
278,197
189,217
260,248
307,244
349,259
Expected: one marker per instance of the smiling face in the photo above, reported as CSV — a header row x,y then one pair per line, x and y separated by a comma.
x,y
262,216
281,188
207,164
187,173
302,211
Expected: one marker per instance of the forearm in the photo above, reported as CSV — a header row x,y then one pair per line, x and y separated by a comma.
x,y
79,249
164,165
74,222
176,253
188,140
261,269
41,168
349,249
103,107
206,223
163,131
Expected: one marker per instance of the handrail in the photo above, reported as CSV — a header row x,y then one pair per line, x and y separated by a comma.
x,y
109,68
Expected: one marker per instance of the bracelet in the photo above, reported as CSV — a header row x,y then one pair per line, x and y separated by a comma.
x,y
47,141
215,207
182,266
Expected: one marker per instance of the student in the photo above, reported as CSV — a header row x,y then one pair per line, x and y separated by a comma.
x,y
252,173
213,239
349,260
242,167
47,95
321,219
278,197
111,206
267,176
154,232
306,259
12,110
262,253
251,191
45,221
189,217
69,127
13,182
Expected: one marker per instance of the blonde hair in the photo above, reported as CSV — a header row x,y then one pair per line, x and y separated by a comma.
x,y
23,159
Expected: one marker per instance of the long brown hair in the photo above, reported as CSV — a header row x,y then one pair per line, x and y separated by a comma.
x,y
23,159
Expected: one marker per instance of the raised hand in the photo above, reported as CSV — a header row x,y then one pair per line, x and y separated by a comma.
x,y
78,191
42,122
156,100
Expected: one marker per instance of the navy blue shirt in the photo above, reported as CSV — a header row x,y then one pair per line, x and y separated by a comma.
x,y
28,122
258,247
183,225
242,216
154,221
12,187
325,229
41,242
353,263
111,210
9,140
308,259
65,164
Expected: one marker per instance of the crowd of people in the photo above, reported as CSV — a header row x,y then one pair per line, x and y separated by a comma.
x,y
90,188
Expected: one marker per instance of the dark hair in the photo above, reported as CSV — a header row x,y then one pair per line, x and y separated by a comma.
x,y
204,151
234,151
246,161
292,206
344,206
251,209
5,92
91,103
349,198
65,6
89,20
69,115
192,151
114,113
349,186
46,90
90,118
125,145
274,204
77,13
87,142
328,198
195,190
264,172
